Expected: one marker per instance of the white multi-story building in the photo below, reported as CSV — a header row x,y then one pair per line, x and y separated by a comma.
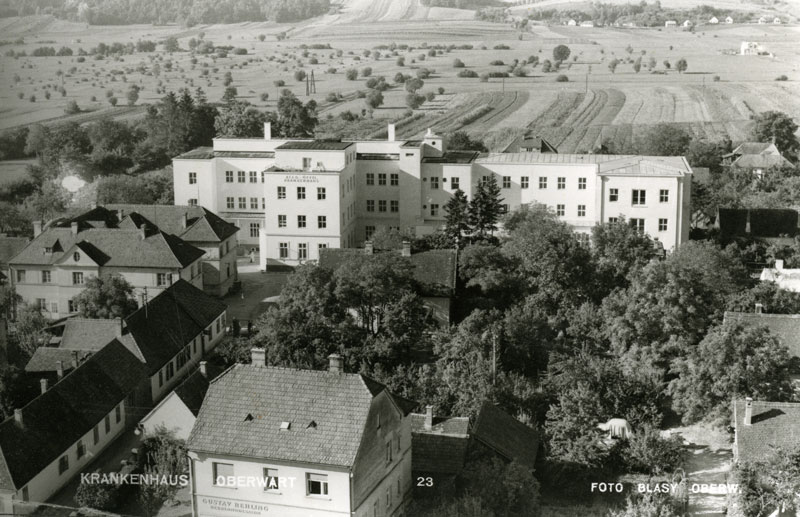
x,y
317,194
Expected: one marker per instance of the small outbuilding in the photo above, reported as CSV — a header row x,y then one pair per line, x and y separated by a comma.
x,y
729,20
670,23
714,20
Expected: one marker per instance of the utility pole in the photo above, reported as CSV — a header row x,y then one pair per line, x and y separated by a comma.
x,y
494,359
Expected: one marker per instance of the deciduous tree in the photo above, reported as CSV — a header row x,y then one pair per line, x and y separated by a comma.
x,y
106,298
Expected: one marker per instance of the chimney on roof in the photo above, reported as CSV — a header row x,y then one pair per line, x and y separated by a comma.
x,y
406,251
428,418
143,231
369,248
204,368
74,227
335,363
748,411
391,132
120,215
74,356
60,369
18,417
258,357
779,264
267,130
759,308
43,384
121,327
184,221
37,228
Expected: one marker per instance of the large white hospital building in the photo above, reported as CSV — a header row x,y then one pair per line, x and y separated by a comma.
x,y
293,197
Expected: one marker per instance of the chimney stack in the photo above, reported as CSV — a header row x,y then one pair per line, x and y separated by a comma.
x,y
759,308
184,221
391,133
142,299
43,384
121,327
748,411
74,226
369,248
335,363
267,130
428,418
18,417
406,251
74,355
37,228
204,368
779,264
258,357
143,232
120,215
60,369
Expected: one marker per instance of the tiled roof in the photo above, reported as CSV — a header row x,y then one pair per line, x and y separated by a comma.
x,y
755,148
786,327
455,425
193,389
45,358
506,435
764,222
773,424
316,145
244,408
55,420
434,270
761,161
202,225
201,153
10,246
607,163
438,453
112,247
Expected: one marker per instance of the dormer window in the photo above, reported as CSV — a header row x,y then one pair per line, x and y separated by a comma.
x,y
48,249
76,257
285,426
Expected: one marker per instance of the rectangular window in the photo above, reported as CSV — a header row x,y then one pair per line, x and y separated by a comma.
x,y
254,228
281,192
542,182
388,497
306,164
321,193
370,178
388,452
382,179
77,278
613,194
562,183
505,208
394,205
192,178
301,192
281,221
302,251
46,277
581,210
229,203
454,183
221,471
301,221
370,205
638,224
638,197
271,480
228,176
118,413
560,210
581,183
523,182
322,246
397,442
170,370
253,177
381,205
316,484
613,220
161,279
20,275
506,181
81,449
394,180
160,378
54,307
253,203
107,423
96,434
369,230
63,464
322,221
662,225
240,176
663,196
263,176
434,210
41,304
283,250
434,182
242,203
263,203
193,201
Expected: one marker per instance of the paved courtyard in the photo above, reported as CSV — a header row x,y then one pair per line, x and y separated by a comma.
x,y
257,288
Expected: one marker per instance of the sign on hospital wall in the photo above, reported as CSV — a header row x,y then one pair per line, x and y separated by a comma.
x,y
301,178
221,507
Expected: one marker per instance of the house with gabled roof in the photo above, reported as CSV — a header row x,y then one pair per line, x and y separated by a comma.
x,y
713,20
762,426
290,442
169,334
439,446
785,327
54,267
769,225
53,437
502,434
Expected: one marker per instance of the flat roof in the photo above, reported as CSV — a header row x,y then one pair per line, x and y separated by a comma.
x,y
316,145
453,157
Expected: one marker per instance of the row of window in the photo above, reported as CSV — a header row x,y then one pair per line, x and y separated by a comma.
x,y
302,250
78,278
63,461
394,179
316,484
394,205
180,360
434,182
561,182
639,196
322,221
230,203
241,177
638,223
301,193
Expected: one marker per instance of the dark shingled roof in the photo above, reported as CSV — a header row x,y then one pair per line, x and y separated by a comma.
x,y
201,225
786,327
506,435
438,453
457,425
316,145
55,420
44,359
10,246
434,270
193,389
244,408
761,161
774,424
